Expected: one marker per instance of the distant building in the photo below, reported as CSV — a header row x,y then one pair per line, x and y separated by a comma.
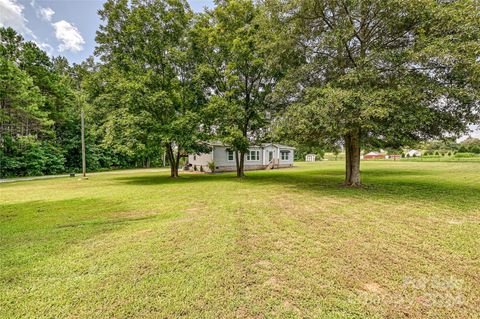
x,y
414,153
374,155
310,158
393,156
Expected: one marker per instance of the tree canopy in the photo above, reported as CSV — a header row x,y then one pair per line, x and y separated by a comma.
x,y
240,70
150,75
381,73
326,74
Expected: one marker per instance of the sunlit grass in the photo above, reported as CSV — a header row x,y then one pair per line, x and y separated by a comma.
x,y
279,244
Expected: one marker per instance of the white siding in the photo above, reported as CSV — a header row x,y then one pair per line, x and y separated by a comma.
x,y
219,156
200,159
290,156
266,155
255,162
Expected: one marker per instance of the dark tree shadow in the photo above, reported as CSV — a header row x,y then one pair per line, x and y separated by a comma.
x,y
395,184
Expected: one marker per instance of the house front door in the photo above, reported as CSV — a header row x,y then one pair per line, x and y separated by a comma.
x,y
270,156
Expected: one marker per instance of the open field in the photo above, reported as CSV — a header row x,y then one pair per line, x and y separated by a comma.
x,y
429,158
278,244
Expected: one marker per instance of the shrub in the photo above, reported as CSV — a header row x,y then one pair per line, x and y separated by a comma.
x,y
201,168
465,155
27,156
475,149
195,168
211,167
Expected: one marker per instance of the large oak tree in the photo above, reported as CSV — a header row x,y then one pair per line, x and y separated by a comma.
x,y
380,72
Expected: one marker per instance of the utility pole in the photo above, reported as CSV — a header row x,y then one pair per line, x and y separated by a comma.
x,y
84,161
80,101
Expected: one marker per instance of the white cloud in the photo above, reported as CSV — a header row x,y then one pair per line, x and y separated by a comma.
x,y
69,35
11,15
46,13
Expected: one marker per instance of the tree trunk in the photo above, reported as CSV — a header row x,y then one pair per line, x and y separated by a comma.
x,y
348,166
237,163
352,159
177,163
240,163
172,161
241,169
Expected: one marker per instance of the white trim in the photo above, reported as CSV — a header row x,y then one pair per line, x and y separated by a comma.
x,y
257,157
228,156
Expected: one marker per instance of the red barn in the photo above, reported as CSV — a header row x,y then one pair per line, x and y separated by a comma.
x,y
373,155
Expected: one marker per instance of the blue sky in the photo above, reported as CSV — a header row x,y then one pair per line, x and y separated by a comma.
x,y
61,27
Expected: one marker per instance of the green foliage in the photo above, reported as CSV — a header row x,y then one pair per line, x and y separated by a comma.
x,y
371,74
20,101
211,166
26,156
466,155
449,147
40,101
147,83
238,66
410,73
301,151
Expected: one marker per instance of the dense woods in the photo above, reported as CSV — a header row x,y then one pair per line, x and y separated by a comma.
x,y
40,99
322,74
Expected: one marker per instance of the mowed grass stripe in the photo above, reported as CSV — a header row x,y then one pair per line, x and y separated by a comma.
x,y
278,244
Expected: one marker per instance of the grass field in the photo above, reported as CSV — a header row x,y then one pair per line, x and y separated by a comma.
x,y
279,244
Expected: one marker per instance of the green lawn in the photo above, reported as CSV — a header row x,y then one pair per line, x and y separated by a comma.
x,y
279,244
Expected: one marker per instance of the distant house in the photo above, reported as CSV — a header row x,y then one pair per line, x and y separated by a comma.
x,y
310,158
414,153
373,155
265,156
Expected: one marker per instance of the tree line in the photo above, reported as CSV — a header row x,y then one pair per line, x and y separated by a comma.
x,y
40,102
320,73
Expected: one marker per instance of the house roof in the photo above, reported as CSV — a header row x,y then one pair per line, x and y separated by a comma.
x,y
278,146
217,143
373,154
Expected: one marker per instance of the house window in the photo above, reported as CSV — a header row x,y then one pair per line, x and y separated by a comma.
x,y
284,155
230,155
253,156
194,157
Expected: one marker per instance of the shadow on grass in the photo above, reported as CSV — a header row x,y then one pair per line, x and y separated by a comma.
x,y
36,230
381,184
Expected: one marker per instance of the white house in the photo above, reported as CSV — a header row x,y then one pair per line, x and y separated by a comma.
x,y
414,153
265,156
310,158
